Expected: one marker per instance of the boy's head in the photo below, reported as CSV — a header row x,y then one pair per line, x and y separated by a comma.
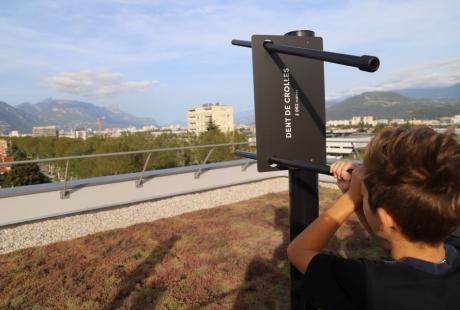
x,y
413,175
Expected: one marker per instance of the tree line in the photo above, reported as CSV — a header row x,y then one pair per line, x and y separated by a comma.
x,y
22,148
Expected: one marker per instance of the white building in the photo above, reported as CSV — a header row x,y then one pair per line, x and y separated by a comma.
x,y
149,128
455,119
398,121
246,129
424,122
45,131
355,120
382,121
198,118
3,148
81,134
174,128
341,122
368,120
345,146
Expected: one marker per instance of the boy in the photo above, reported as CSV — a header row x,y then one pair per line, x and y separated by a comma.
x,y
406,194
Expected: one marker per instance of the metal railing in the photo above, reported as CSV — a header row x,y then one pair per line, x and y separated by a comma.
x,y
36,202
180,148
65,192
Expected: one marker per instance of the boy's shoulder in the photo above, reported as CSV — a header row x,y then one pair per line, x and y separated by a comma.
x,y
414,269
364,283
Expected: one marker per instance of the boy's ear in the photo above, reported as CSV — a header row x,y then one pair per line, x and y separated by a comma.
x,y
385,218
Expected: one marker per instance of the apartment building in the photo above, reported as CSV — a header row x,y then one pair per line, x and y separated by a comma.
x,y
3,156
222,115
341,122
356,120
45,131
368,120
3,148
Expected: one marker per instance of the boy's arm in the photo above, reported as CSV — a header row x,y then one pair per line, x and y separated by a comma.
x,y
340,170
316,236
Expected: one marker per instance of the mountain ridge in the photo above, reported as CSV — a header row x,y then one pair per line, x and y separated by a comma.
x,y
72,114
452,91
66,114
383,104
14,118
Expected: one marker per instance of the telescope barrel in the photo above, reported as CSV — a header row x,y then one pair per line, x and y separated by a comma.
x,y
246,154
364,62
285,163
242,43
299,164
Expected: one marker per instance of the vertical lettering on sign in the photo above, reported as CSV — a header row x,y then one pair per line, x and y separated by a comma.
x,y
287,103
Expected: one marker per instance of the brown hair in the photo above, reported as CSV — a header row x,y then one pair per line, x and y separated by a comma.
x,y
414,175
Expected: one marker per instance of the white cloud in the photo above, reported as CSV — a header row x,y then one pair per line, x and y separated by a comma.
x,y
438,73
96,84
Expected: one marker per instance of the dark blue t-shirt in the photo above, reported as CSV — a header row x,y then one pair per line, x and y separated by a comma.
x,y
332,282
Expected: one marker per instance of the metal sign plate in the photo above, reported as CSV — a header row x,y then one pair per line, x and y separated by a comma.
x,y
289,102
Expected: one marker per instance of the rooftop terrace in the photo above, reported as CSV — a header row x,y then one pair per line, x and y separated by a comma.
x,y
230,256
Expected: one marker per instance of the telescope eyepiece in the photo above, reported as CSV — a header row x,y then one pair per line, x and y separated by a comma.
x,y
369,63
301,33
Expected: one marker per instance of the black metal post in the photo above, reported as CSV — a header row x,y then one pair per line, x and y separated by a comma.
x,y
303,210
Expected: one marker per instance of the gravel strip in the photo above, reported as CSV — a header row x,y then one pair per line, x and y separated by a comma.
x,y
74,226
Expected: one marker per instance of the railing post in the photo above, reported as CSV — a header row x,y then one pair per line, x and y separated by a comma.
x,y
65,193
140,182
355,150
183,157
246,165
200,170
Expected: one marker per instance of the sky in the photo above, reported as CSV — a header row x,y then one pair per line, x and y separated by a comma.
x,y
159,58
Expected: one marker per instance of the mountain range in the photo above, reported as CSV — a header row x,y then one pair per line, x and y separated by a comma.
x,y
434,92
15,119
393,105
66,114
421,103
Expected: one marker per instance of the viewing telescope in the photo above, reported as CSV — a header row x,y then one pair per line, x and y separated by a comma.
x,y
290,112
290,164
363,63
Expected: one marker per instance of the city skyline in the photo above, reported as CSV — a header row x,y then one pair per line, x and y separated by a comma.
x,y
155,59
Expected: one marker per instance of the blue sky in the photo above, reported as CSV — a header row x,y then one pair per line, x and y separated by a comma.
x,y
158,58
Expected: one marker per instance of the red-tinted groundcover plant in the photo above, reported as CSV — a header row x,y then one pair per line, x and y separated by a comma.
x,y
229,257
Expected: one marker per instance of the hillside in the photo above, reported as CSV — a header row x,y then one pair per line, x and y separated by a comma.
x,y
392,105
452,91
66,114
15,118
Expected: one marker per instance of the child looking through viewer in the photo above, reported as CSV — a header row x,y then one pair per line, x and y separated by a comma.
x,y
407,194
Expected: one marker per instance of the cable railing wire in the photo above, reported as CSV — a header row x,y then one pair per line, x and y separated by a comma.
x,y
180,148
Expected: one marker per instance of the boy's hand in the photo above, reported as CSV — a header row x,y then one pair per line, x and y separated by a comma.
x,y
339,170
356,183
349,182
